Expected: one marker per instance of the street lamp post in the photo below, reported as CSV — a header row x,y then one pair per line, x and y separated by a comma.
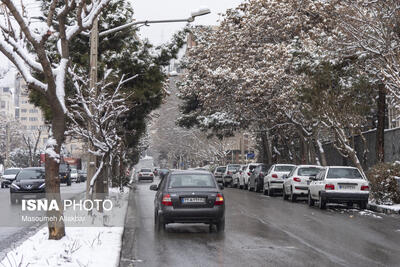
x,y
94,41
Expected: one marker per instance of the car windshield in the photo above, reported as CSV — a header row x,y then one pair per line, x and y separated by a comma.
x,y
145,170
233,167
11,171
349,173
284,168
309,171
191,180
221,169
74,171
31,174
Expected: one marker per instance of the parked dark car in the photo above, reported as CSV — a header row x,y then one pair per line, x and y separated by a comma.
x,y
29,184
82,175
64,173
256,180
189,197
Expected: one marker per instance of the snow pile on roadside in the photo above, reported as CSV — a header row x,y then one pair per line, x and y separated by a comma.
x,y
96,243
369,213
395,207
82,246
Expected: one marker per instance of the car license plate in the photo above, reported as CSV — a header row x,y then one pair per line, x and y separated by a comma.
x,y
193,200
29,196
347,187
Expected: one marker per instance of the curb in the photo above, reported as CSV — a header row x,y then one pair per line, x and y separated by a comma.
x,y
378,208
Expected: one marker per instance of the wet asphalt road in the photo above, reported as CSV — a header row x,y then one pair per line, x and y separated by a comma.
x,y
262,231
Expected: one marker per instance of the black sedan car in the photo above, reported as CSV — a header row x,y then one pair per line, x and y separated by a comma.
x,y
28,184
189,197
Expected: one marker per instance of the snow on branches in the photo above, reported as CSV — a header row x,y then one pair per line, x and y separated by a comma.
x,y
95,115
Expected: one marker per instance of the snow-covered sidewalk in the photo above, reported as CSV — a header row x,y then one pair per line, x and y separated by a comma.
x,y
96,245
387,209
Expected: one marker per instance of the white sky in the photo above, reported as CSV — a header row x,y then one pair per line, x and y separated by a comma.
x,y
176,9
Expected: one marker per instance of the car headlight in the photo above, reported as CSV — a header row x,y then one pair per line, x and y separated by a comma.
x,y
42,186
14,186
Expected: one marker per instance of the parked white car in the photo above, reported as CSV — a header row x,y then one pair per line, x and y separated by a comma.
x,y
273,180
8,176
236,176
219,171
75,176
145,174
338,184
228,175
244,178
296,183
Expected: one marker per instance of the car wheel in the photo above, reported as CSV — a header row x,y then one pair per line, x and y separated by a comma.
x,y
322,203
270,192
285,197
349,204
69,183
293,197
159,223
310,200
363,205
2,185
221,225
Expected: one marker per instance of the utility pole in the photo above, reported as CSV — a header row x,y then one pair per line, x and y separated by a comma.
x,y
6,165
94,42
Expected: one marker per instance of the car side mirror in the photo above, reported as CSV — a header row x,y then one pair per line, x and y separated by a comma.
x,y
153,187
313,178
285,176
221,186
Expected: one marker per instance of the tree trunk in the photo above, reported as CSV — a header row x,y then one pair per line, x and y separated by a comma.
x,y
56,227
321,153
380,130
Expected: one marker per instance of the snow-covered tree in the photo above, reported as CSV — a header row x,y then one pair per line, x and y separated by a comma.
x,y
24,41
95,115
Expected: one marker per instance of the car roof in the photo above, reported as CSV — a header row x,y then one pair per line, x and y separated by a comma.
x,y
342,167
282,164
190,172
304,166
33,168
12,169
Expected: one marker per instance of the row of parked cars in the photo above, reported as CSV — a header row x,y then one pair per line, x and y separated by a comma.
x,y
30,182
319,184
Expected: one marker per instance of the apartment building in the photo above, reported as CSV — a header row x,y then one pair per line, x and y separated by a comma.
x,y
30,117
7,109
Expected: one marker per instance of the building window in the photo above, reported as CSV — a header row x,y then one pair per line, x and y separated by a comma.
x,y
44,140
33,110
3,104
23,118
33,118
394,117
23,110
34,127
